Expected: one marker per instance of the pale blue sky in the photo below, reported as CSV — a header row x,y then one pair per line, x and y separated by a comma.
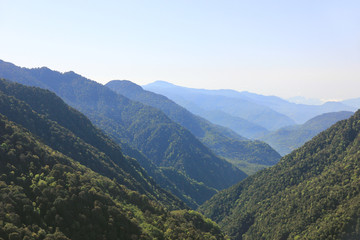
x,y
286,48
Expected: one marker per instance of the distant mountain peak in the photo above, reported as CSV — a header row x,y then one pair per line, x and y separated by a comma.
x,y
161,83
125,84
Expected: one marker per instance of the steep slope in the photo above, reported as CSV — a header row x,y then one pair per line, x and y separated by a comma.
x,y
69,132
164,142
312,193
289,138
193,193
194,99
56,110
222,141
47,195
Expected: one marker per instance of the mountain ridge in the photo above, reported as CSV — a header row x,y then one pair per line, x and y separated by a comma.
x,y
222,141
298,112
209,100
144,128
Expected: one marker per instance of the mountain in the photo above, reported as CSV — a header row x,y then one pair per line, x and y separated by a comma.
x,y
312,193
66,130
188,190
224,142
46,103
303,100
45,194
239,125
298,112
210,100
162,141
197,125
58,111
289,138
355,102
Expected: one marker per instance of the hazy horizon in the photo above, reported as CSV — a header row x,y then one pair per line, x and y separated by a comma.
x,y
287,49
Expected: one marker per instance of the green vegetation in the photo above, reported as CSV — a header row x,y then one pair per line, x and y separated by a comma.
x,y
76,137
163,142
57,112
47,195
245,154
188,190
312,193
289,138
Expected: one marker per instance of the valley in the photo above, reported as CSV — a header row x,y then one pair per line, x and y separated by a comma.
x,y
166,162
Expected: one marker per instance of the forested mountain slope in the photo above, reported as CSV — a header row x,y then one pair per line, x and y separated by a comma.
x,y
312,193
224,142
197,125
289,138
47,195
48,104
66,130
144,128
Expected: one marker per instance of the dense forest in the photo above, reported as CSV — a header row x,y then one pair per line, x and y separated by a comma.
x,y
56,184
79,160
312,193
208,103
141,128
68,131
46,195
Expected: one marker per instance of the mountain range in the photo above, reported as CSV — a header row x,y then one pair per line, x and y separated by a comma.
x,y
269,112
82,160
166,144
244,153
198,100
62,178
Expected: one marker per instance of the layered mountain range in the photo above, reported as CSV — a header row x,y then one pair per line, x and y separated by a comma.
x,y
82,160
169,152
62,178
237,110
244,153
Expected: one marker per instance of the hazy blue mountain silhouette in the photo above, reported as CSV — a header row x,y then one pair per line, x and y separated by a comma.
x,y
287,139
214,100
